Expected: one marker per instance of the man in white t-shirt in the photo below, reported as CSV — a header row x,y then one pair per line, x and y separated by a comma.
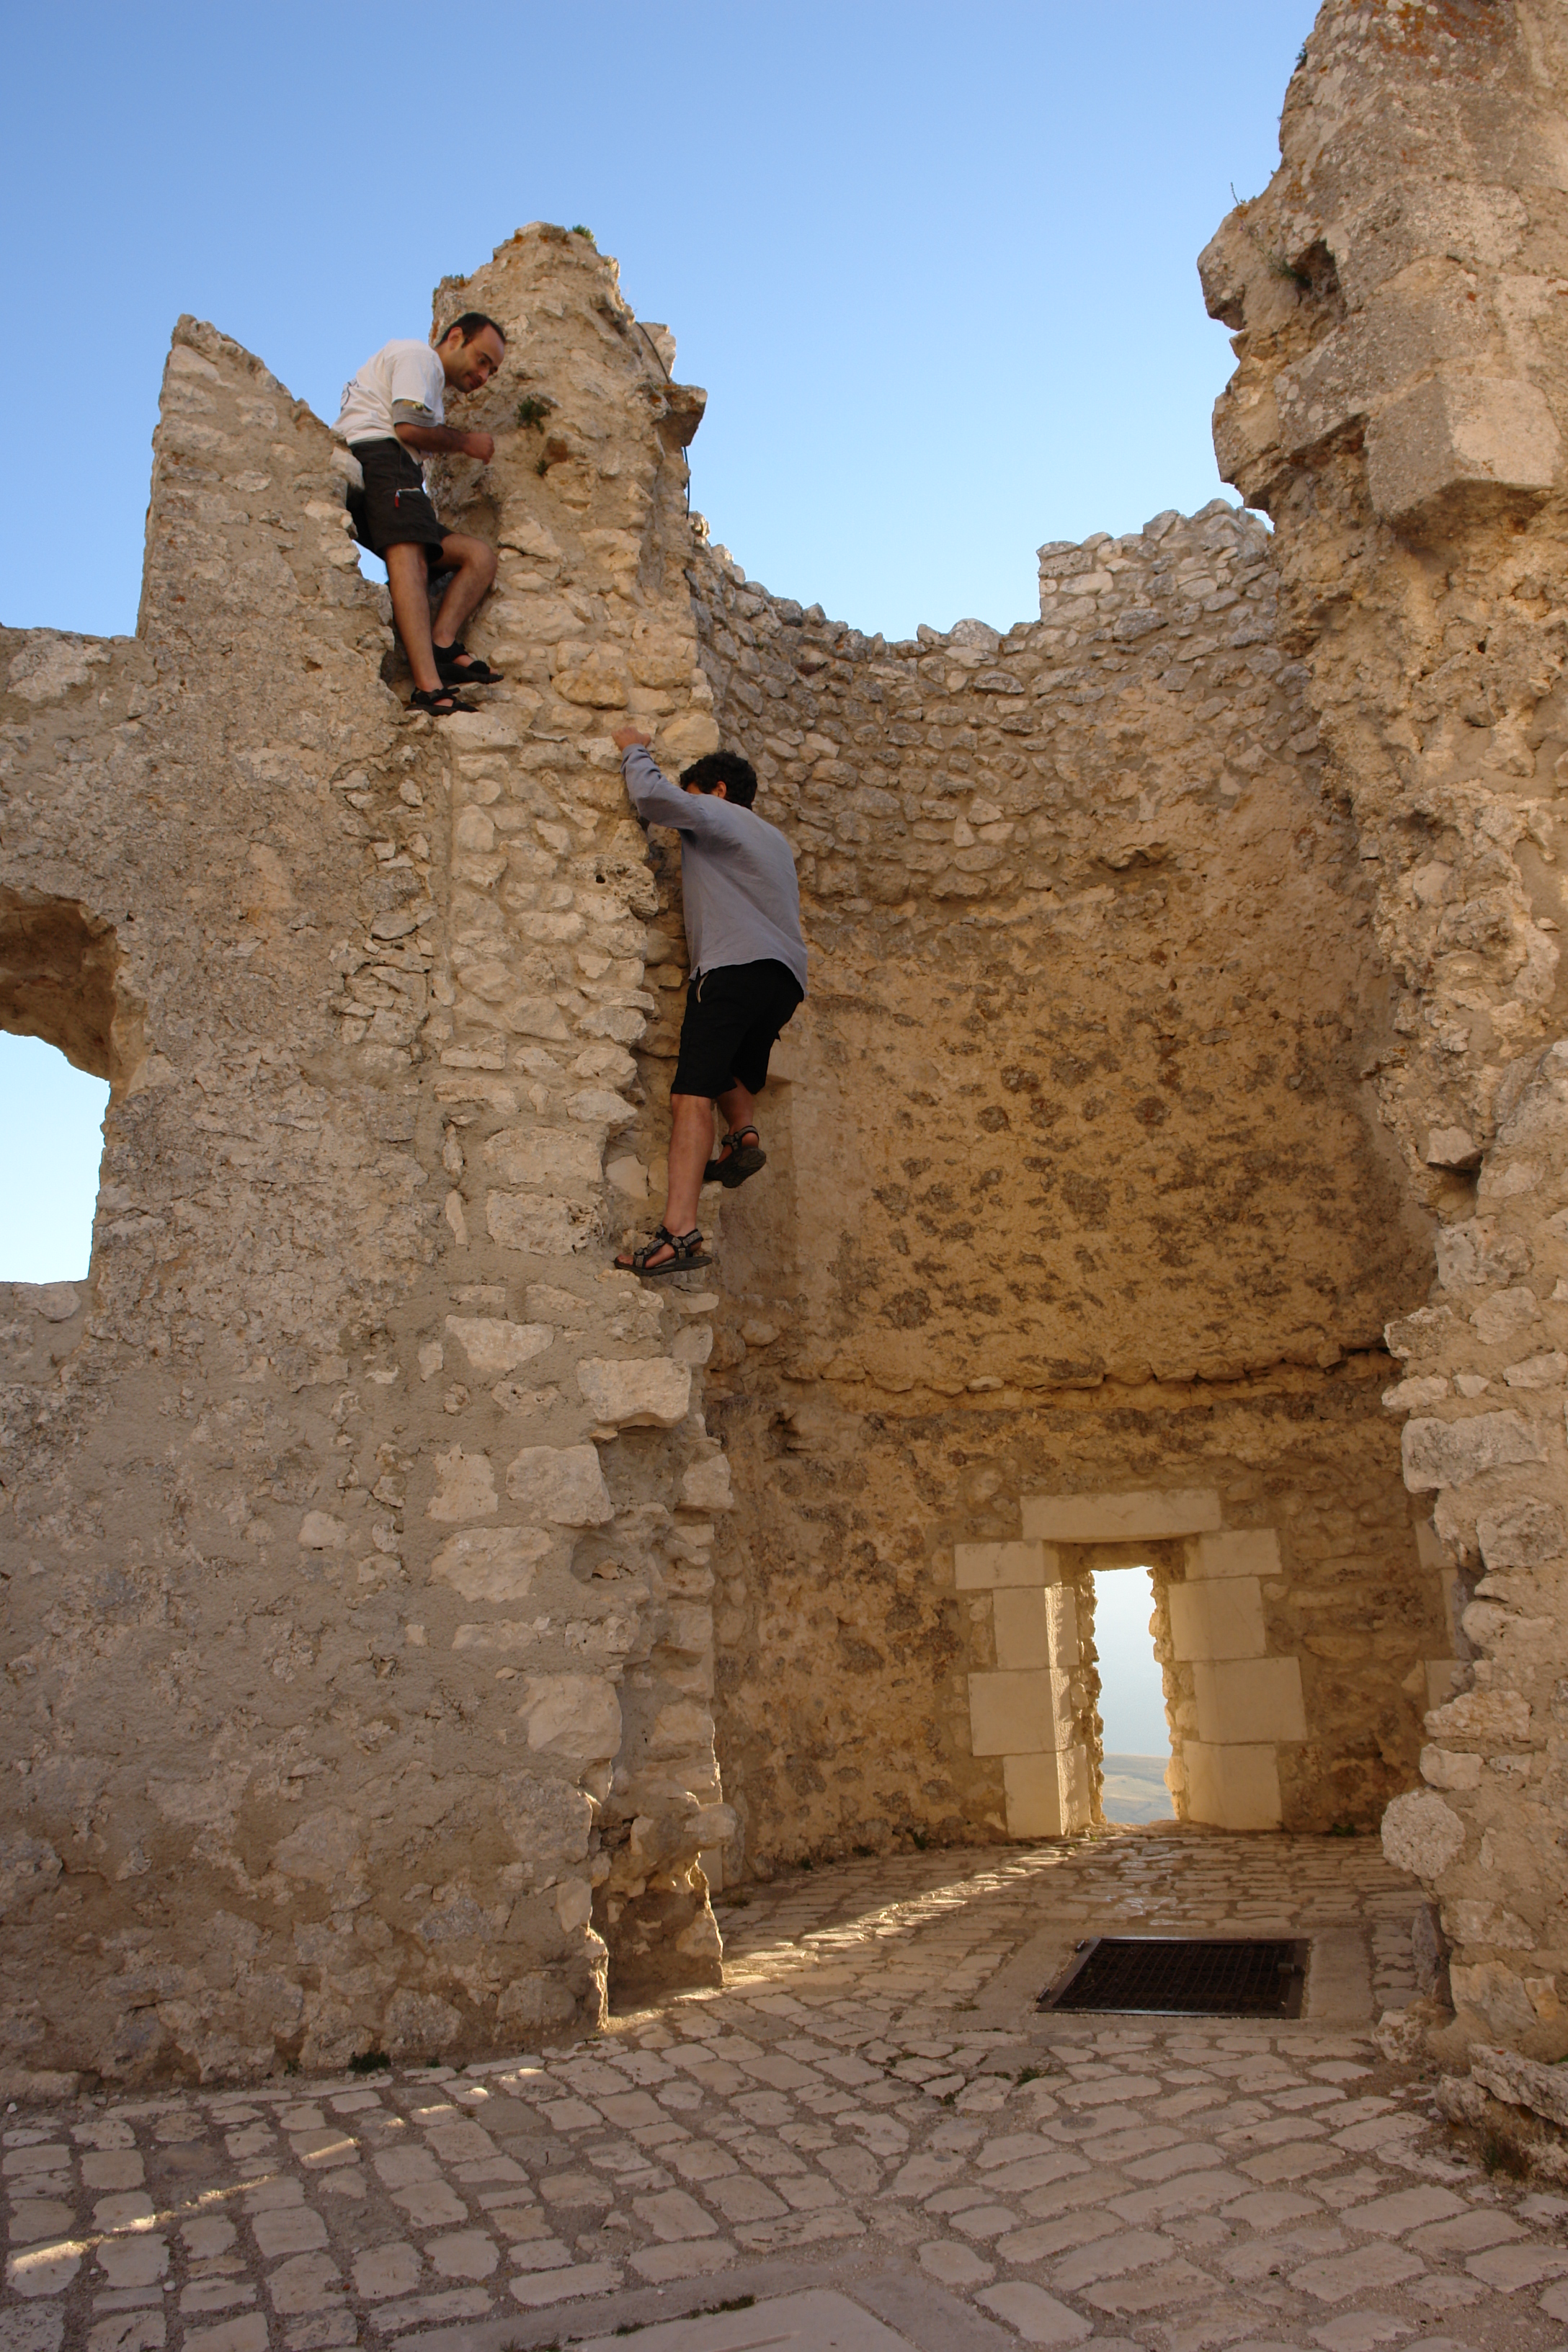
x,y
392,407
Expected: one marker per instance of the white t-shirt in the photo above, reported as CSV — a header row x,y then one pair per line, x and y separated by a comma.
x,y
405,384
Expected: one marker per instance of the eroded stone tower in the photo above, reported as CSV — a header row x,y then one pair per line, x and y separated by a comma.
x,y
1185,993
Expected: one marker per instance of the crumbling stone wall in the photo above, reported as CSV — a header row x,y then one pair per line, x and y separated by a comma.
x,y
1185,983
355,1519
1073,1183
1399,408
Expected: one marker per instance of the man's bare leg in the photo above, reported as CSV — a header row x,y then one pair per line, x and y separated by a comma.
x,y
473,568
690,1142
738,1111
409,577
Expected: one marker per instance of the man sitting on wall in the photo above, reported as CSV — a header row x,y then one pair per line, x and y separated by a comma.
x,y
395,405
748,975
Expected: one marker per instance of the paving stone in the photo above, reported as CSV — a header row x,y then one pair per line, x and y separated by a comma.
x,y
1034,2315
1339,2275
308,2283
1506,2269
560,2286
673,2214
953,2264
1169,2284
383,2271
429,2310
689,2259
246,2335
289,2230
1109,2257
1189,2192
466,2253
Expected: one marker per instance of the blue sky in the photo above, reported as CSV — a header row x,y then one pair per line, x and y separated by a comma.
x,y
935,266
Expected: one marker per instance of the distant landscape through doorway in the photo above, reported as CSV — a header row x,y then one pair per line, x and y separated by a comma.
x,y
1136,1744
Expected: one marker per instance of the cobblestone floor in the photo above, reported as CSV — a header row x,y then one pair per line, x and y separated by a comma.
x,y
872,2103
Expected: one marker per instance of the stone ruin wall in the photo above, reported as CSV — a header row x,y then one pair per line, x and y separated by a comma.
x,y
356,1518
1103,1206
1182,966
1399,407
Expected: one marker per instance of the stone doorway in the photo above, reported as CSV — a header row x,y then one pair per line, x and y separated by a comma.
x,y
1134,1696
1233,1705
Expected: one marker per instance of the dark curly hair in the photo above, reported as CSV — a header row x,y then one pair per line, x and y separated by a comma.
x,y
738,776
471,323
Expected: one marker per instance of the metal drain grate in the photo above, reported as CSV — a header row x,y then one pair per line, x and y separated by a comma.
x,y
1169,1976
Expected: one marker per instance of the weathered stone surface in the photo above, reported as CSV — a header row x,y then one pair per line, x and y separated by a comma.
x,y
564,1484
638,1392
1407,437
363,999
1184,1000
1422,1834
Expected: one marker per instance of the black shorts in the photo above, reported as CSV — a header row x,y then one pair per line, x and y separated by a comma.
x,y
394,509
733,1016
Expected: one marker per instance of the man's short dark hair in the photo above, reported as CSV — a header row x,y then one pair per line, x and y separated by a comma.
x,y
471,323
738,776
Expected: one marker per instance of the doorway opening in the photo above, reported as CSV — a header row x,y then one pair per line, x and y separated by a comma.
x,y
1134,1735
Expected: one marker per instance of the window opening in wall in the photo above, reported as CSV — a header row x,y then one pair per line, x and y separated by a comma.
x,y
1136,1741
51,1117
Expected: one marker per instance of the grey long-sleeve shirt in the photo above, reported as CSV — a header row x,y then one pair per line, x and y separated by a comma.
x,y
737,873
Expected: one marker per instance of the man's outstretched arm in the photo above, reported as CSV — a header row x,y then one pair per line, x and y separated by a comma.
x,y
445,440
654,797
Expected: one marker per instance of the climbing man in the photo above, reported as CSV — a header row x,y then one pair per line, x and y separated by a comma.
x,y
394,406
748,975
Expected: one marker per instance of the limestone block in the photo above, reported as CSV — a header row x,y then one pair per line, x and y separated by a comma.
x,y
1020,1714
1035,1626
493,1346
979,1566
319,1531
544,1159
1448,1768
1481,1715
1249,1551
1507,2074
594,675
1532,1535
321,1849
1487,1923
522,1221
561,1483
1220,1619
1249,1699
491,1563
1460,439
1452,1146
467,1489
689,736
1233,1788
1496,1994
1152,1513
636,1392
1047,1795
1422,1834
706,1486
576,1716
1499,1320
1452,1453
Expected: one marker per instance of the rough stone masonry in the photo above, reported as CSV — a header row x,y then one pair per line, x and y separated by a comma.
x,y
1184,1020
